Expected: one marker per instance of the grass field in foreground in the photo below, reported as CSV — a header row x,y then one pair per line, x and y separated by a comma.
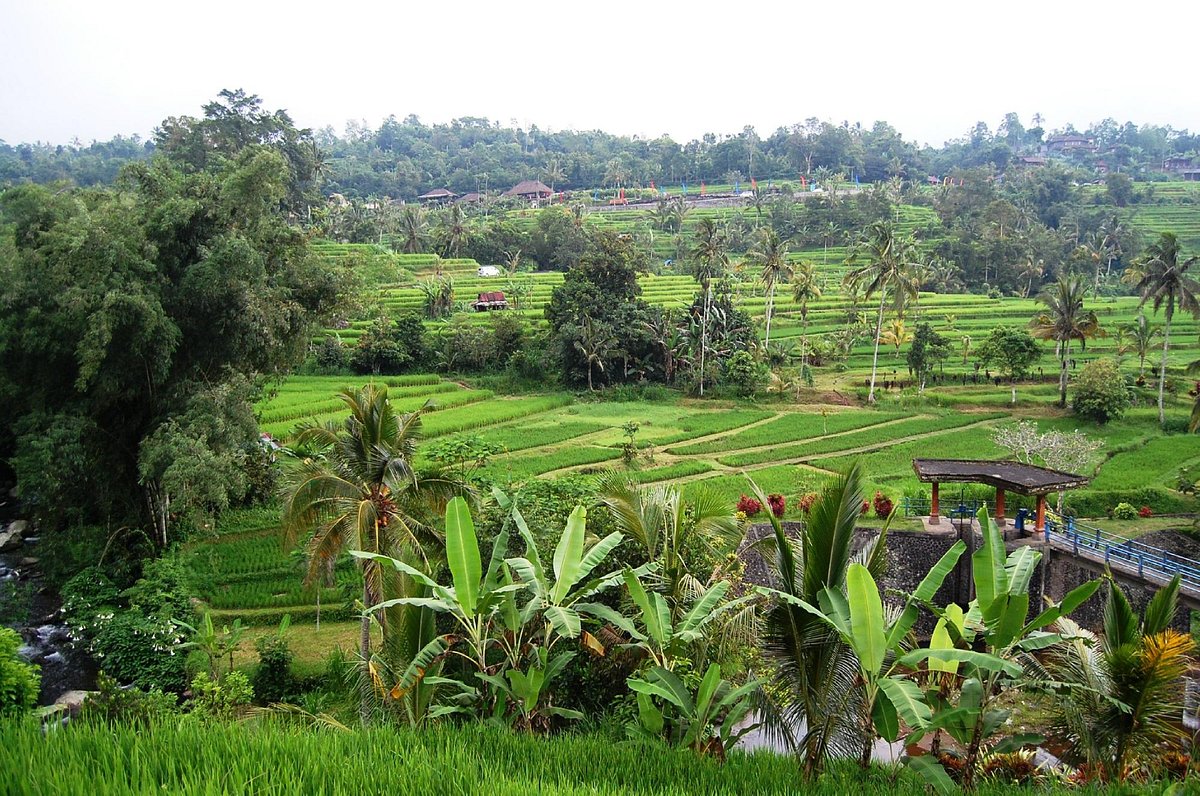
x,y
194,757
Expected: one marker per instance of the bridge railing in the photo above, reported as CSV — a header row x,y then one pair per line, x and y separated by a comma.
x,y
1096,542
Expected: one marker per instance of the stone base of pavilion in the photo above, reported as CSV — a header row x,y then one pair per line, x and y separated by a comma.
x,y
946,526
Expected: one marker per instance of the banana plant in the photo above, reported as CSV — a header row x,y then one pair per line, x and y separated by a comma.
x,y
710,721
877,638
214,645
664,641
998,620
558,600
472,600
527,691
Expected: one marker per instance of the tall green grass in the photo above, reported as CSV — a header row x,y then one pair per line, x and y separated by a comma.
x,y
193,758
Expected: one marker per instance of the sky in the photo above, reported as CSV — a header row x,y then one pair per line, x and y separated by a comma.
x,y
91,70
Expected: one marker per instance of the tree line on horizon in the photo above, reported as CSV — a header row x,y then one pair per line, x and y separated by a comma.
x,y
402,159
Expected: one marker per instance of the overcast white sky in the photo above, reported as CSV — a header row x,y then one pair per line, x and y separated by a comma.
x,y
95,69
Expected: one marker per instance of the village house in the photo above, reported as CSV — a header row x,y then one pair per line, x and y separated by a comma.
x,y
529,190
437,196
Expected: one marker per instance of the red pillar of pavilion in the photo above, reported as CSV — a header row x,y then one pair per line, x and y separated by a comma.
x,y
1041,514
935,510
1000,507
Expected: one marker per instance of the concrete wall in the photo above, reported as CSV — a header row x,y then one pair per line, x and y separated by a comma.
x,y
911,554
1063,572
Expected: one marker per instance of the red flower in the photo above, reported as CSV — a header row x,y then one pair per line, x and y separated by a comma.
x,y
749,506
883,505
778,504
1145,511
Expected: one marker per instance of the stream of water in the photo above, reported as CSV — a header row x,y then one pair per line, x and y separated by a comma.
x,y
34,612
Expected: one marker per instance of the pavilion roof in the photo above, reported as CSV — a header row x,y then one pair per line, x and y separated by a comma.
x,y
1024,479
528,188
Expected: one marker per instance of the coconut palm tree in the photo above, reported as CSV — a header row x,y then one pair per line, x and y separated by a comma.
x,y
1125,697
1166,283
880,264
805,288
1032,271
553,173
662,216
414,229
710,258
1063,321
814,703
829,233
454,231
1141,335
679,213
595,345
770,253
1113,232
360,491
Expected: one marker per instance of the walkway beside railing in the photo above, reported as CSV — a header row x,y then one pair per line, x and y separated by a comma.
x,y
1087,541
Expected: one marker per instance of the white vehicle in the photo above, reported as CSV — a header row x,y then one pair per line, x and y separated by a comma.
x,y
488,270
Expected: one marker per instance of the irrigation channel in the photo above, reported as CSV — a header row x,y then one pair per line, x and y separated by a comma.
x,y
25,601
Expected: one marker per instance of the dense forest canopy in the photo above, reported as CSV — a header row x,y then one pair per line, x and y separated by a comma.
x,y
402,159
137,317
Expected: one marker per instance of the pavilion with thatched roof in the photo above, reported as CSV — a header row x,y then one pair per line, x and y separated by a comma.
x,y
529,190
1024,479
437,196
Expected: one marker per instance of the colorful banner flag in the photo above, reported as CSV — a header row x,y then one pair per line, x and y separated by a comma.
x,y
702,189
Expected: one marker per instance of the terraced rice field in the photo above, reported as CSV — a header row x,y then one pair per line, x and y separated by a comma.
x,y
699,441
247,571
956,316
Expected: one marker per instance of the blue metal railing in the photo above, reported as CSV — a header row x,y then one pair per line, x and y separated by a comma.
x,y
1088,540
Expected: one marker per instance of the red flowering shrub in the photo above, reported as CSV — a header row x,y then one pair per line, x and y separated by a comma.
x,y
866,506
749,506
883,506
1145,511
778,504
806,502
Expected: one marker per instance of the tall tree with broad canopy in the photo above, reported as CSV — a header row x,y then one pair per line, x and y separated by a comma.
x,y
137,321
